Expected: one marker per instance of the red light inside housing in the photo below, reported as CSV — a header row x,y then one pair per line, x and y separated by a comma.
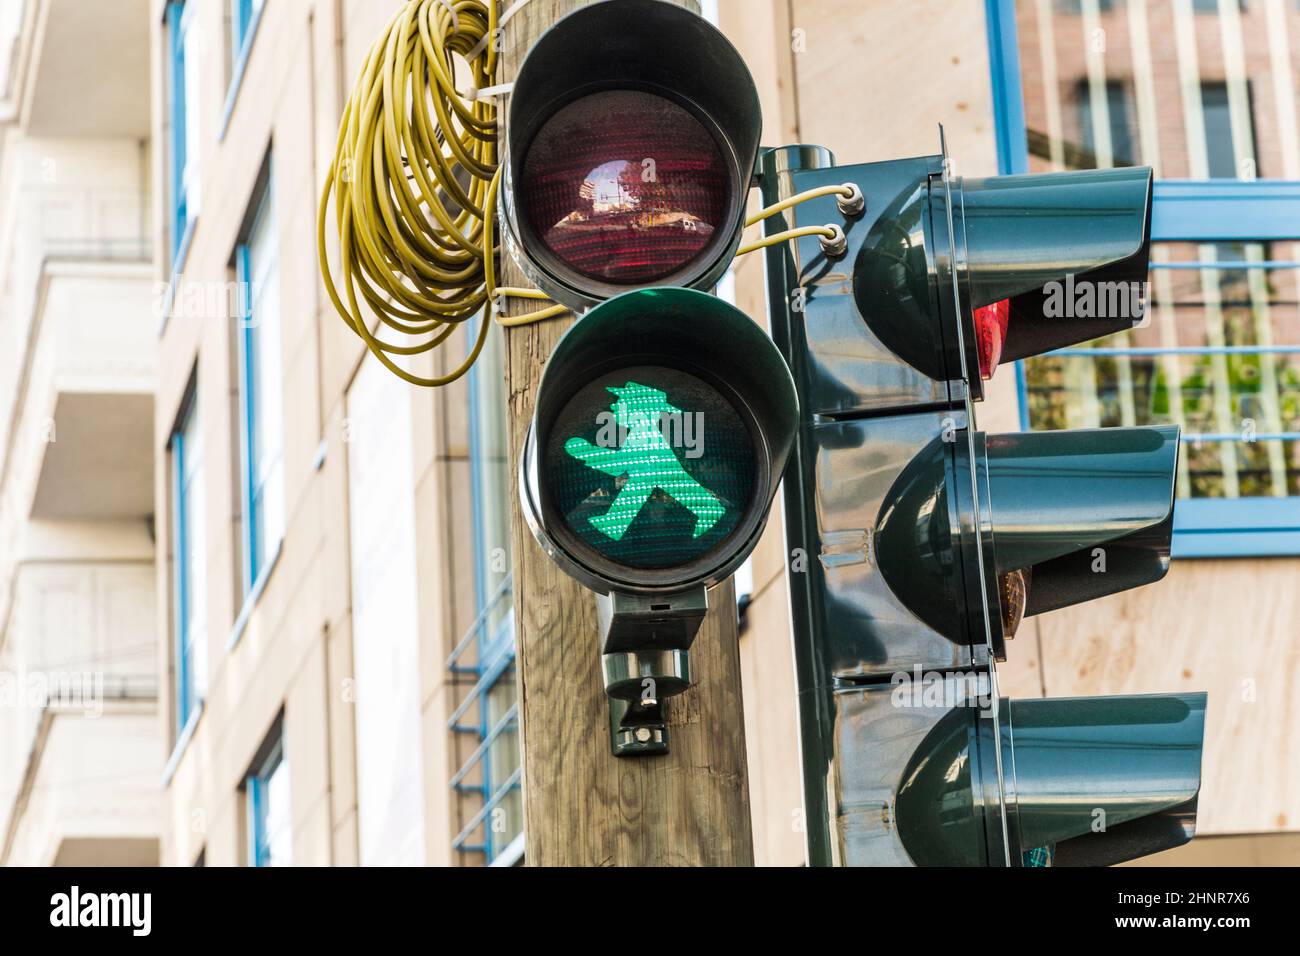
x,y
624,187
990,332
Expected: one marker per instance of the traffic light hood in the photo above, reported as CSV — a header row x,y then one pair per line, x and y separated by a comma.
x,y
1088,512
1093,780
1041,261
1084,513
1069,250
1101,780
663,182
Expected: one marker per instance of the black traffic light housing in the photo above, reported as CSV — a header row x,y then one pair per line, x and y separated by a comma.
x,y
614,390
928,540
649,47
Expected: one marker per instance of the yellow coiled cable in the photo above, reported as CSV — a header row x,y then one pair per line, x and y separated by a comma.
x,y
415,179
414,183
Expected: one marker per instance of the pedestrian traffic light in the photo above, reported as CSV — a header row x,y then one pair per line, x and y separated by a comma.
x,y
648,472
631,139
928,540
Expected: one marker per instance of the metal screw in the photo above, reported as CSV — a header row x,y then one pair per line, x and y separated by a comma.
x,y
643,735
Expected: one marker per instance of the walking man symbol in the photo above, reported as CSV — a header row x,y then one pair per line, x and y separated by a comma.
x,y
647,461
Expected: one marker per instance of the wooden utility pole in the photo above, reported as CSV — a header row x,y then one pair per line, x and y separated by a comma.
x,y
582,805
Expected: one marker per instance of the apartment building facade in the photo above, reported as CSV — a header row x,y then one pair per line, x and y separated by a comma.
x,y
332,573
79,756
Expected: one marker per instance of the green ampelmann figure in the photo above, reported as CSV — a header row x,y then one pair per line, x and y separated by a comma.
x,y
647,460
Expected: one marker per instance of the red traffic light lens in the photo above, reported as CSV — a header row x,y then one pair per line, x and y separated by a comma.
x,y
624,187
990,334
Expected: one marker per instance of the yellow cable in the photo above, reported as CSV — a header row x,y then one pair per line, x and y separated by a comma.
x,y
413,183
845,190
825,231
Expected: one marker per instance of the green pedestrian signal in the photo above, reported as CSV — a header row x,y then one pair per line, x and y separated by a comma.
x,y
646,463
660,475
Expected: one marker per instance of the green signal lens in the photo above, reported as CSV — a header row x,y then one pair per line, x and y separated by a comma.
x,y
650,467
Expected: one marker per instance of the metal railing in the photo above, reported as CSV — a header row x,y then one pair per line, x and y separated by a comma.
x,y
483,658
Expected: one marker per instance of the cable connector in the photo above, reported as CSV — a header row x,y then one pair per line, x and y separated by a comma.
x,y
836,243
851,203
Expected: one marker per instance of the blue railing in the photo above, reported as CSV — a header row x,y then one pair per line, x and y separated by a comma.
x,y
482,659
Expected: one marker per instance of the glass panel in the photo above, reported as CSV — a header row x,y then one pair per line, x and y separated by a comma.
x,y
1194,88
191,572
492,484
492,489
243,13
1219,354
506,820
493,776
263,380
189,68
272,813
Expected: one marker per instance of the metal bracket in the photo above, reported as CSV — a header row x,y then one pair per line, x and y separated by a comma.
x,y
645,641
637,728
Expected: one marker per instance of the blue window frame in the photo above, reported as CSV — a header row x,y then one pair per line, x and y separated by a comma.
x,y
261,393
183,76
1220,352
270,815
488,714
245,16
189,580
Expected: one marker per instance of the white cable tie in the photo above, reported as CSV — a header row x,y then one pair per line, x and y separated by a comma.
x,y
481,45
473,93
455,17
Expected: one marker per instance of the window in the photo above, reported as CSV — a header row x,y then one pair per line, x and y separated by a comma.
x,y
1076,7
183,43
1219,353
1104,125
244,15
489,778
266,790
260,393
1224,155
190,572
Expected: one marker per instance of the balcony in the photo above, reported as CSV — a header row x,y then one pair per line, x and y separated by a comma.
x,y
79,754
74,69
89,401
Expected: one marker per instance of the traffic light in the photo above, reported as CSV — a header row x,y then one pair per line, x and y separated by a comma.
x,y
949,278
647,475
632,134
927,540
